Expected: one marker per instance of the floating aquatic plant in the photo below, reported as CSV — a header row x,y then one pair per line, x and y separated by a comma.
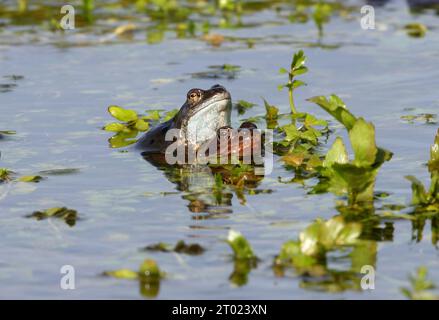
x,y
428,201
240,246
180,247
427,118
356,177
7,132
318,239
244,258
68,215
316,245
301,136
420,286
131,125
5,175
416,30
297,67
30,178
149,276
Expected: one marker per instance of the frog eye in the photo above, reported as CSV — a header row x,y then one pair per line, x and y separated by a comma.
x,y
193,96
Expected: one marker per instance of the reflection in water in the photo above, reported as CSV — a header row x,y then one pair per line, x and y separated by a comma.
x,y
418,226
208,188
149,289
241,270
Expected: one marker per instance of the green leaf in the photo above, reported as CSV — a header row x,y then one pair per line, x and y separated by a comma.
x,y
240,246
122,274
149,271
336,108
382,156
8,132
416,30
309,239
5,174
272,111
322,236
123,139
291,253
122,114
299,71
299,59
283,71
297,84
419,195
358,179
115,127
291,132
141,125
362,136
337,153
68,215
310,120
434,150
243,106
152,115
30,178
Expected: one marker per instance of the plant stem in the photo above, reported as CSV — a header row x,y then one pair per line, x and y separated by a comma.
x,y
290,95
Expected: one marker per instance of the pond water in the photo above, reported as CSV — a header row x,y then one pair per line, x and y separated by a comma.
x,y
55,88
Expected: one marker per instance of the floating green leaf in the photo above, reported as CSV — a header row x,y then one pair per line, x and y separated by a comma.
x,y
416,30
122,114
68,215
423,200
114,127
30,178
180,247
122,274
240,246
149,271
7,132
5,174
